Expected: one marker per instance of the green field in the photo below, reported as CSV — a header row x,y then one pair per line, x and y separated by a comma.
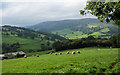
x,y
96,34
92,26
25,44
90,60
104,30
72,34
68,34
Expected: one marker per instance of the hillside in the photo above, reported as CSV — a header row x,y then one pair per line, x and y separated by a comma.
x,y
90,60
77,28
29,40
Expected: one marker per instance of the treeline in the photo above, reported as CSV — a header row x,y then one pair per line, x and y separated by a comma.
x,y
90,41
6,48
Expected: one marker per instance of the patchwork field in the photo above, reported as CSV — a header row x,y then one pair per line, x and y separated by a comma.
x,y
90,60
79,31
25,44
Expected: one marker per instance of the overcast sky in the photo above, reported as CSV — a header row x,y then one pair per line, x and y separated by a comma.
x,y
31,12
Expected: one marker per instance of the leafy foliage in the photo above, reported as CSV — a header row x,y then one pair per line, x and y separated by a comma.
x,y
10,47
108,11
90,41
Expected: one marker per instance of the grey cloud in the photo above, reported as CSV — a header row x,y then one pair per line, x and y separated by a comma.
x,y
22,13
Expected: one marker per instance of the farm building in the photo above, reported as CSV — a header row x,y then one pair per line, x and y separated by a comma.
x,y
2,56
13,55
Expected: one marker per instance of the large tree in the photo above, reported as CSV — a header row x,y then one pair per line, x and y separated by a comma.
x,y
105,11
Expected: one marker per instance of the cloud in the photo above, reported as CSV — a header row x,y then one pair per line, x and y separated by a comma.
x,y
34,11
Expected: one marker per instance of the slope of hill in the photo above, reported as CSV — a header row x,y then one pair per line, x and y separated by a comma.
x,y
78,28
90,60
28,39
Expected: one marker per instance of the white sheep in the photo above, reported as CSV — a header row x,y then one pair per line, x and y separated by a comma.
x,y
73,52
60,53
78,52
68,52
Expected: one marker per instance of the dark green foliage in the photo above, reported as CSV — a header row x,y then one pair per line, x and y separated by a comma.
x,y
57,46
90,41
115,40
108,11
6,48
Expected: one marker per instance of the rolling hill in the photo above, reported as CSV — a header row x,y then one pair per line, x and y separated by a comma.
x,y
28,39
77,28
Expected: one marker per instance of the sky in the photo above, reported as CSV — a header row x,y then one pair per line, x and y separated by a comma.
x,y
31,12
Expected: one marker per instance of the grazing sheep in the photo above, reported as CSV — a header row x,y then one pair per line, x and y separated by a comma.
x,y
68,52
50,53
60,53
78,52
25,56
55,53
73,52
37,55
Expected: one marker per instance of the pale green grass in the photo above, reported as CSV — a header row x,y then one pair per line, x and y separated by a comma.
x,y
97,34
12,40
63,32
105,30
25,44
92,26
39,53
90,60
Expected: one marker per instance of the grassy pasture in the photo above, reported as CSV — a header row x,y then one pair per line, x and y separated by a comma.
x,y
104,30
96,34
92,26
68,33
90,60
26,44
79,34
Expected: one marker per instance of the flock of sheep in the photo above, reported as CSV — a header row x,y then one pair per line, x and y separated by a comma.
x,y
57,53
67,53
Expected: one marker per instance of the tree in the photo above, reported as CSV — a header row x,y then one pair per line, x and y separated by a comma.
x,y
48,43
57,45
108,11
90,38
115,40
42,46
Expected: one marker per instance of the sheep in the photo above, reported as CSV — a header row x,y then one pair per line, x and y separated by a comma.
x,y
25,56
50,53
60,53
78,52
73,52
55,53
68,52
37,55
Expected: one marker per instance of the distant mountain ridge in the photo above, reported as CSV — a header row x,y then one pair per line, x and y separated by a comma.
x,y
77,28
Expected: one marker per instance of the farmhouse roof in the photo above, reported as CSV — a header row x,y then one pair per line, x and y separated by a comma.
x,y
15,53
